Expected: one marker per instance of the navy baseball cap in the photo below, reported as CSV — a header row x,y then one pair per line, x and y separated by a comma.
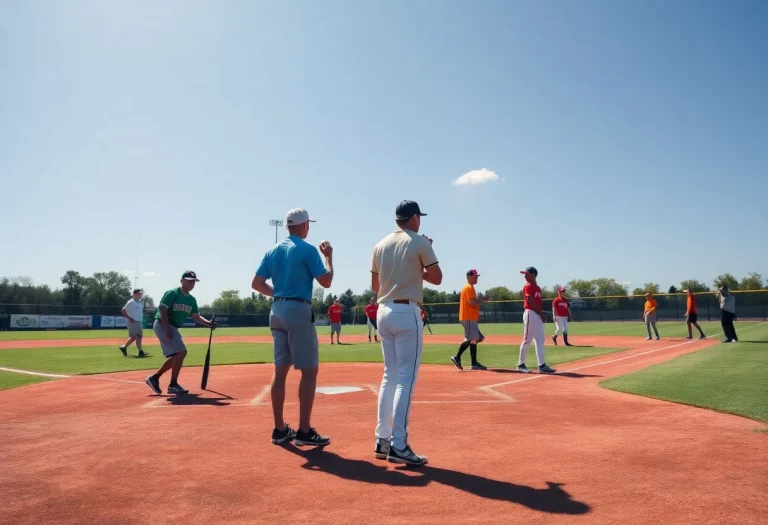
x,y
472,272
531,270
138,290
189,275
407,209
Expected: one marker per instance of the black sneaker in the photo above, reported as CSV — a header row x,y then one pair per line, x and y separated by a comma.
x,y
154,384
544,369
124,350
382,448
478,366
311,438
281,436
554,339
142,353
457,361
524,369
177,389
406,457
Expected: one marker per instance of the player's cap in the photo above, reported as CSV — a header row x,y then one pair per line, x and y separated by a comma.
x,y
472,272
531,270
189,275
297,216
138,290
407,209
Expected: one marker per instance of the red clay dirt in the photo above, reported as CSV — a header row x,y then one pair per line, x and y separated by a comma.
x,y
594,340
503,448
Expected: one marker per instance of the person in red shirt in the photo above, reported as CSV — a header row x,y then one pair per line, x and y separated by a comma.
x,y
334,315
370,313
561,313
692,316
425,320
533,322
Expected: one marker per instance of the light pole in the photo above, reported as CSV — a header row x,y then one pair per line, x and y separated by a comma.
x,y
276,223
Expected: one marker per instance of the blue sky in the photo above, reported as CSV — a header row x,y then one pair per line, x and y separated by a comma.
x,y
630,138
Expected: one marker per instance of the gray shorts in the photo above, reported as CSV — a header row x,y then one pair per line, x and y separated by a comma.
x,y
172,346
294,335
472,331
135,329
335,328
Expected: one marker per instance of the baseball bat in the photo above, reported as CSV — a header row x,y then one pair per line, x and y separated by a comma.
x,y
207,366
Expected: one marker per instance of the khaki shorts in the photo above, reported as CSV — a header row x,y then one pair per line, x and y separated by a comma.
x,y
172,346
294,335
135,329
472,331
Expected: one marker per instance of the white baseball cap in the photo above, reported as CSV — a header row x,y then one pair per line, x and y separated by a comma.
x,y
297,216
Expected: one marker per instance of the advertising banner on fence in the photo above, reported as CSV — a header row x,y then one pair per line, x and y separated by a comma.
x,y
107,321
121,322
65,321
24,321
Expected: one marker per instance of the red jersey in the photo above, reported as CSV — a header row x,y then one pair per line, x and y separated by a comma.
x,y
423,314
370,311
534,291
561,306
334,313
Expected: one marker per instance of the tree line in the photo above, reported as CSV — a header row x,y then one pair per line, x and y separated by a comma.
x,y
100,289
113,288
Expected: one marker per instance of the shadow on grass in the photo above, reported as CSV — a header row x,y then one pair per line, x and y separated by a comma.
x,y
552,499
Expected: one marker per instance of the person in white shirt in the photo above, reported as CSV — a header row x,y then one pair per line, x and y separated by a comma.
x,y
133,311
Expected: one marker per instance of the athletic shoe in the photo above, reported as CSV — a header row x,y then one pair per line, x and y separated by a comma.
x,y
382,448
524,369
177,389
658,338
376,339
648,338
689,337
703,336
124,350
728,340
281,436
406,457
568,344
544,369
154,384
478,366
554,339
457,361
142,353
311,438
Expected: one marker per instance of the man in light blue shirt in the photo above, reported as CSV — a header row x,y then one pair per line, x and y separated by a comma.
x,y
293,265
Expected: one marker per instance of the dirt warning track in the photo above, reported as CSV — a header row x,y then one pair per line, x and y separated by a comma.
x,y
504,447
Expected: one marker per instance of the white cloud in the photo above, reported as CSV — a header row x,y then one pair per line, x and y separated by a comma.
x,y
150,274
480,176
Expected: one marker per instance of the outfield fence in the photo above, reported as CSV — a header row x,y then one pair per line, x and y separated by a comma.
x,y
750,304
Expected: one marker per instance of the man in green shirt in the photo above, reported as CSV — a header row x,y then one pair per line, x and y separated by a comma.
x,y
175,306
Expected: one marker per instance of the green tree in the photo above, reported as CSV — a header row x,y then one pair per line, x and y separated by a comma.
x,y
500,293
672,289
318,294
74,286
347,300
693,285
727,279
582,288
752,282
106,289
147,301
228,302
638,292
654,288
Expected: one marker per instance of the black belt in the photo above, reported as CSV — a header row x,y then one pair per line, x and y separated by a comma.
x,y
297,299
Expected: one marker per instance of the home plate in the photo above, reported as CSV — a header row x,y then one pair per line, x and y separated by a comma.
x,y
331,390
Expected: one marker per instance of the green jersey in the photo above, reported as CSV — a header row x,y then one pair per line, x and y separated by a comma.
x,y
180,306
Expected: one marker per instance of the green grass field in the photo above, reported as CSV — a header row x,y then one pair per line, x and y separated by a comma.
x,y
729,378
104,359
666,329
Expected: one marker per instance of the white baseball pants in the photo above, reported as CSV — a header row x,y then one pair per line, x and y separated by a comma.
x,y
533,331
400,330
562,325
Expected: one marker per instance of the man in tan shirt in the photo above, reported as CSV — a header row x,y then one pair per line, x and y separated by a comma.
x,y
402,261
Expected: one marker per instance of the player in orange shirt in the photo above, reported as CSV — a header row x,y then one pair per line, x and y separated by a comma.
x,y
649,314
692,316
469,315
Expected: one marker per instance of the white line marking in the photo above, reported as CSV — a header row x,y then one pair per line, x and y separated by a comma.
x,y
464,401
260,396
502,396
373,388
30,373
157,403
111,379
538,376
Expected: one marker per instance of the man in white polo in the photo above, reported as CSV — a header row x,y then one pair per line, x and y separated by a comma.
x,y
133,311
401,262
